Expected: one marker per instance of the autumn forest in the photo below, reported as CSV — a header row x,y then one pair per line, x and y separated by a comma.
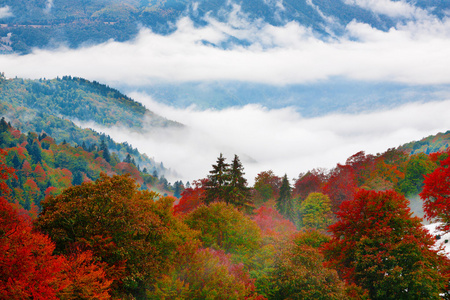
x,y
78,222
224,150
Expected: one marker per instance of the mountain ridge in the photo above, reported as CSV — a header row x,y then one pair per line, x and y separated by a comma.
x,y
45,24
50,106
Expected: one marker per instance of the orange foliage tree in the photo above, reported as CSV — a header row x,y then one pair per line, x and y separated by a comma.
x,y
136,236
207,274
86,278
299,272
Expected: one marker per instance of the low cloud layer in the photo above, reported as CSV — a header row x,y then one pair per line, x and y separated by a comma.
x,y
281,140
5,12
413,52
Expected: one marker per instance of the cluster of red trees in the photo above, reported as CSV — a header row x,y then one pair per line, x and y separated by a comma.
x,y
376,245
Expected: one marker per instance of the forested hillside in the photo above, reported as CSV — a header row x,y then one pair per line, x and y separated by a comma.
x,y
430,144
50,105
44,167
79,99
47,23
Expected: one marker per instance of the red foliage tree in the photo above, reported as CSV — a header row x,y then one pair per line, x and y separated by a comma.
x,y
39,173
341,186
128,168
28,270
26,168
310,182
377,244
191,198
361,165
436,195
272,223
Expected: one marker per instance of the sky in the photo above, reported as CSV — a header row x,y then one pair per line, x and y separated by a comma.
x,y
414,52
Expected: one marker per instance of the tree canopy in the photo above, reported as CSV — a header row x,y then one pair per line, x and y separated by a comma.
x,y
377,244
135,235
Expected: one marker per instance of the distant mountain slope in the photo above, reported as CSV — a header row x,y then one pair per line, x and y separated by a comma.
x,y
310,100
80,99
48,106
46,23
44,167
431,144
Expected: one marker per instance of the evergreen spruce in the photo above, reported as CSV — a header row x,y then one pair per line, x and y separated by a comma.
x,y
16,162
35,153
3,125
127,159
178,188
218,180
103,147
284,202
77,178
238,192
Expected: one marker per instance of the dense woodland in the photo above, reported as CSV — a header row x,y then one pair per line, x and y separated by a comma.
x,y
85,225
80,99
49,106
44,167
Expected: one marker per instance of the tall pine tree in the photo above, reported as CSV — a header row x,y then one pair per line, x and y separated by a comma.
x,y
103,147
284,202
238,193
218,180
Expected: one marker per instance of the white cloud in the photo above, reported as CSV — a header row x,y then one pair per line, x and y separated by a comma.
x,y
390,8
5,12
278,4
328,19
48,6
281,140
413,53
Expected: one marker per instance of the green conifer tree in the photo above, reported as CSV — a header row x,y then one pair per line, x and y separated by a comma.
x,y
218,180
284,202
103,147
238,192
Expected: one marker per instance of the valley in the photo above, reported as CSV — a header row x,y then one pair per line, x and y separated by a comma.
x,y
216,149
